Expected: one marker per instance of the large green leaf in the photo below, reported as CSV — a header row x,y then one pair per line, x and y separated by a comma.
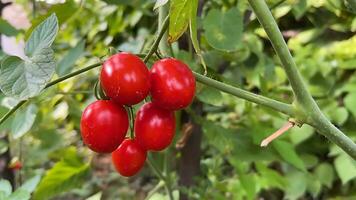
x,y
287,152
223,29
23,79
179,15
23,121
5,187
19,194
65,65
65,175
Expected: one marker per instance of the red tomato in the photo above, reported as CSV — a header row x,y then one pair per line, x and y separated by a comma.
x,y
129,158
172,84
154,127
125,79
104,125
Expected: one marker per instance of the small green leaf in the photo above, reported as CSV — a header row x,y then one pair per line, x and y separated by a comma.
x,y
299,134
288,153
20,194
65,175
325,174
23,121
223,30
66,64
7,29
23,79
345,167
179,16
5,187
350,103
297,185
210,96
31,184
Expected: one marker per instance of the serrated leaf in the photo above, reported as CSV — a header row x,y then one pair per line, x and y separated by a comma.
x,y
5,187
345,167
23,121
223,29
159,3
23,79
66,64
179,16
288,153
42,37
65,175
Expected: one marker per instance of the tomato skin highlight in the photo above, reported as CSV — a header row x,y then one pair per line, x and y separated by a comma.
x,y
129,158
154,127
124,78
172,84
104,125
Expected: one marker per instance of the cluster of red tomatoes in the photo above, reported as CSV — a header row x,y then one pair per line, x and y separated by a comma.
x,y
126,80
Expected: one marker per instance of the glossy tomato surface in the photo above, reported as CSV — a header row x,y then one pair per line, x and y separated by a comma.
x,y
129,158
103,126
154,127
125,78
172,84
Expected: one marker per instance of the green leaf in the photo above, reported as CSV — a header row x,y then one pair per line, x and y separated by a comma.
x,y
7,29
249,183
20,194
299,134
66,64
210,96
5,187
179,17
31,184
23,79
223,29
297,185
270,178
325,174
288,153
23,121
350,104
345,167
65,175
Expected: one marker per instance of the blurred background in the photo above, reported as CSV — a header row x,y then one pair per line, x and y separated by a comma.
x,y
216,153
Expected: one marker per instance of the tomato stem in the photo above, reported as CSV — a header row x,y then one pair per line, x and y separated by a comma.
x,y
278,133
132,122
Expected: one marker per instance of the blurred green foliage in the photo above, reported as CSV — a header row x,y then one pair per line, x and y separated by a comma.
x,y
300,165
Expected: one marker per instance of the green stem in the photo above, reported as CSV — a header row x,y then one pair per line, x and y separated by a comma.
x,y
305,103
161,177
63,78
155,44
132,122
11,111
258,99
163,46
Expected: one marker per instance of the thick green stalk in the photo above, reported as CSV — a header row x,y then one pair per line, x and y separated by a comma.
x,y
305,104
249,96
162,14
155,44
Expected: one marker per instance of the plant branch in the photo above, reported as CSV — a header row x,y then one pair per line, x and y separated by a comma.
x,y
161,177
155,44
308,110
249,96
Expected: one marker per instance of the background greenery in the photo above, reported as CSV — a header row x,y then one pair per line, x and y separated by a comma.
x,y
44,134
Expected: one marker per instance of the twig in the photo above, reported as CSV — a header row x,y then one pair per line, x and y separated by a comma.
x,y
278,133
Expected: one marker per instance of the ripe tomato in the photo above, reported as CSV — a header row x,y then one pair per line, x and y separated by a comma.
x,y
172,84
103,126
154,127
125,79
129,158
